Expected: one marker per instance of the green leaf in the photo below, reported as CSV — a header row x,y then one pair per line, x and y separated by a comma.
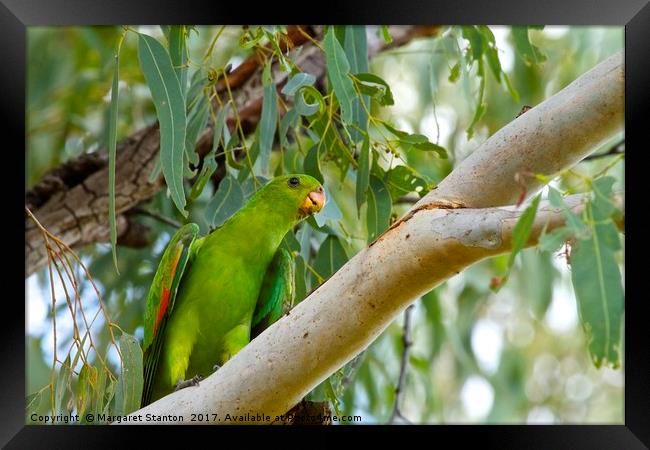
x,y
573,222
356,50
62,386
528,52
330,211
400,134
196,123
231,144
402,180
537,280
494,63
511,89
454,73
219,126
312,163
112,155
431,147
195,91
170,109
33,404
418,141
386,34
476,41
129,386
290,120
268,119
252,185
363,173
603,205
85,386
296,82
303,107
551,242
178,53
599,291
338,69
209,166
376,87
522,228
330,257
228,199
379,208
99,392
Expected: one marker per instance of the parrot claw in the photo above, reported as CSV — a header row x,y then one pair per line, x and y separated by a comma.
x,y
194,381
216,367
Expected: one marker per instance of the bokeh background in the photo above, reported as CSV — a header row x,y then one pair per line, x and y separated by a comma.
x,y
515,356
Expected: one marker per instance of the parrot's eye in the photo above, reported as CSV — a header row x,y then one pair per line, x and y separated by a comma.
x,y
294,181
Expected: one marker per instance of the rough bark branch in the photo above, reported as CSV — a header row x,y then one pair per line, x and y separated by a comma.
x,y
451,228
72,200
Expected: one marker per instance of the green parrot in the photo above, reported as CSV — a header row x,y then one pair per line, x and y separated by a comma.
x,y
209,293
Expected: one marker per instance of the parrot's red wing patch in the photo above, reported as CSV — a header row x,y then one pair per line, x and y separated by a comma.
x,y
164,303
164,300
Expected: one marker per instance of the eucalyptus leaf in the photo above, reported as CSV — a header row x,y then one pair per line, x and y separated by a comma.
x,y
338,69
303,107
330,257
599,291
356,50
363,173
312,163
170,109
379,208
528,52
178,53
522,229
268,121
129,387
296,82
228,199
112,155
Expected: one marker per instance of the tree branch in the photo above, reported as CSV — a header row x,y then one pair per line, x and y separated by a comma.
x,y
451,228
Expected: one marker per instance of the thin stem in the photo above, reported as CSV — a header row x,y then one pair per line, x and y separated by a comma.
x,y
157,216
406,341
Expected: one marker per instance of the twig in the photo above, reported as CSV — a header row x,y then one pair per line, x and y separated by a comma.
x,y
399,389
617,149
158,217
408,199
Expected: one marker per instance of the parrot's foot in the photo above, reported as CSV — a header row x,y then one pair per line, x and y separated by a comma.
x,y
216,367
194,381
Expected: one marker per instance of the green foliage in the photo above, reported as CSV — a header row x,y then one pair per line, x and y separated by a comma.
x,y
338,69
170,108
528,52
129,386
226,201
112,149
379,208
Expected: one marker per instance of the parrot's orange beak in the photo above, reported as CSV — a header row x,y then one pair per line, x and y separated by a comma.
x,y
314,202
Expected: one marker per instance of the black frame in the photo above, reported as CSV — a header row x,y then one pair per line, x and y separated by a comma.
x,y
16,15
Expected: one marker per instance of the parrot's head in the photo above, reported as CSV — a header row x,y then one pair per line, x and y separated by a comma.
x,y
301,194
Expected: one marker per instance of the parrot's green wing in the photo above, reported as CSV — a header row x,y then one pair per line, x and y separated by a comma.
x,y
277,292
161,298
